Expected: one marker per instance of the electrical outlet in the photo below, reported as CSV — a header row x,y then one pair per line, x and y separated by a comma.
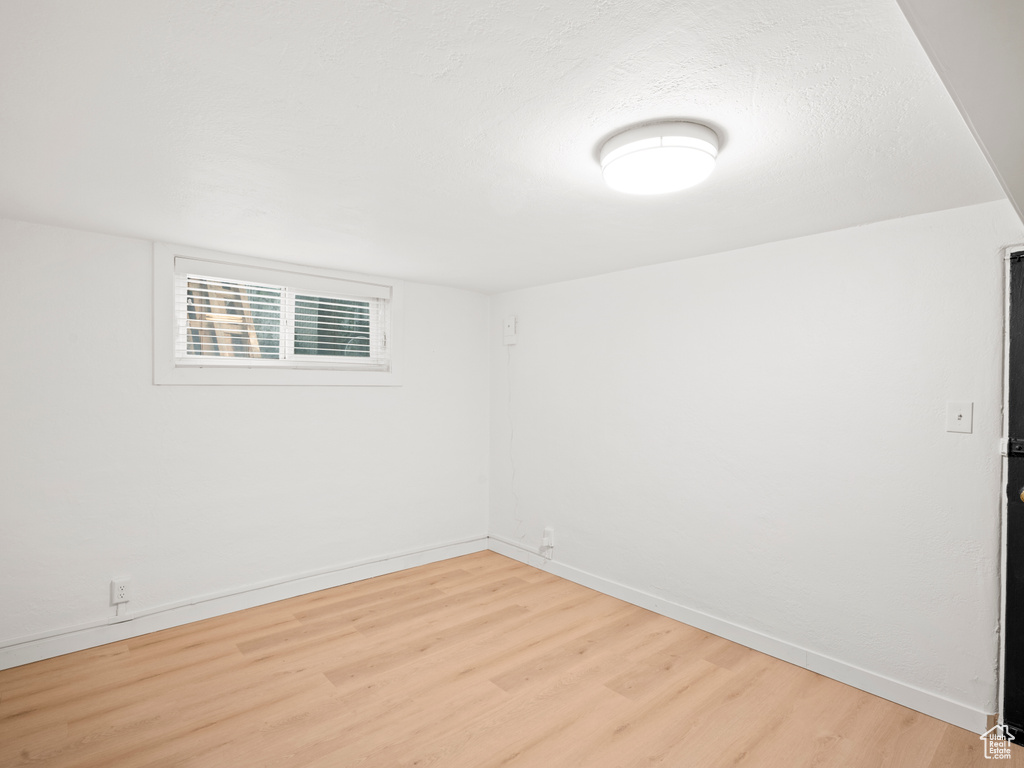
x,y
120,591
547,544
509,330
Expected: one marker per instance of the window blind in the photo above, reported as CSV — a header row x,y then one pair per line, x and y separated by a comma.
x,y
236,320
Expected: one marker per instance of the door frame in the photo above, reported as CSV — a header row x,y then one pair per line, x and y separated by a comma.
x,y
1009,254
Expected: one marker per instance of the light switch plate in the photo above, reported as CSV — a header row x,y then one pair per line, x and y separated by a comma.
x,y
959,417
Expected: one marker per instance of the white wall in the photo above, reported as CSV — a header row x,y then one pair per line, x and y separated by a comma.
x,y
758,436
753,438
197,490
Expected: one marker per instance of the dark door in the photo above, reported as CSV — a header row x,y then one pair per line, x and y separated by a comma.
x,y
1013,690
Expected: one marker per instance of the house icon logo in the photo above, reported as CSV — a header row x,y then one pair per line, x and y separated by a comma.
x,y
997,742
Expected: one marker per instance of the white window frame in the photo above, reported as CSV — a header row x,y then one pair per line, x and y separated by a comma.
x,y
168,370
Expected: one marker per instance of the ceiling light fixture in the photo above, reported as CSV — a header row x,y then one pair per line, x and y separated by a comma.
x,y
658,158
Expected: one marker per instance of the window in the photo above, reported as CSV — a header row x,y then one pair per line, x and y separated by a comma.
x,y
239,320
231,322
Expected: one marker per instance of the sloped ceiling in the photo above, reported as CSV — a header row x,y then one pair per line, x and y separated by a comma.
x,y
977,49
454,142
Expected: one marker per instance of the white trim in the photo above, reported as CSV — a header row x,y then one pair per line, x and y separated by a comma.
x,y
502,550
24,650
167,372
27,649
278,273
932,704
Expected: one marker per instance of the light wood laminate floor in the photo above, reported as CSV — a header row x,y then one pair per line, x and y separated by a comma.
x,y
472,662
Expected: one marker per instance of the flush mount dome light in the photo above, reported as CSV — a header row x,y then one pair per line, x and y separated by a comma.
x,y
659,158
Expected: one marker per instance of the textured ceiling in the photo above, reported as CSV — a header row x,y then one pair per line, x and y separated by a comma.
x,y
454,142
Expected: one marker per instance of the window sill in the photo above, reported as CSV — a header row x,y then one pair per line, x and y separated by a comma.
x,y
194,375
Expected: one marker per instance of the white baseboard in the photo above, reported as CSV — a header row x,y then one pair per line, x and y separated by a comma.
x,y
24,650
931,704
